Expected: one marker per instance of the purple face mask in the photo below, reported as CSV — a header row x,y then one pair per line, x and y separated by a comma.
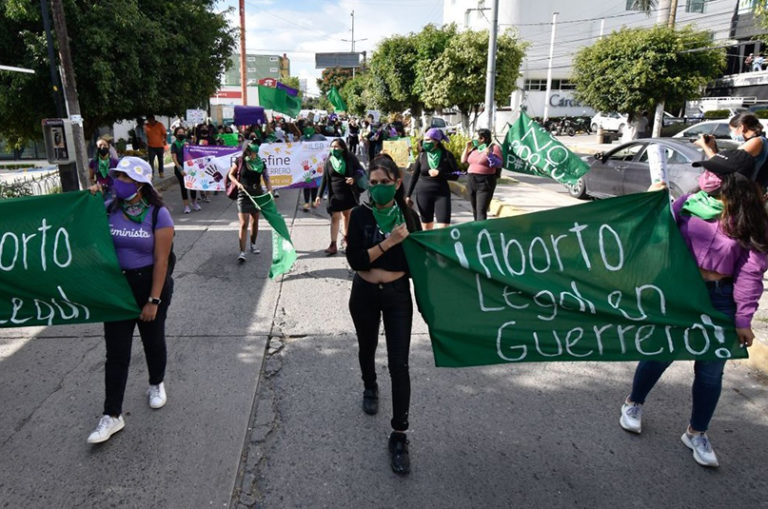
x,y
708,181
125,190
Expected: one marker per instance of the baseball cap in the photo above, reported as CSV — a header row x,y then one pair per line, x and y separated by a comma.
x,y
729,161
136,168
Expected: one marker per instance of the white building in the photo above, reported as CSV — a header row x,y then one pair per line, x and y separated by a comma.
x,y
579,24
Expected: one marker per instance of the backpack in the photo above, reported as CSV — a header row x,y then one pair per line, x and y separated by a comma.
x,y
171,255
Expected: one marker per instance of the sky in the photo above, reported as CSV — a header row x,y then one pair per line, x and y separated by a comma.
x,y
301,28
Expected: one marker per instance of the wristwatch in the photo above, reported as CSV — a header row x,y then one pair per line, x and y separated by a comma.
x,y
154,300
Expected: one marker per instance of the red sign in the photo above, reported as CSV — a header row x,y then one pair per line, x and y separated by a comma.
x,y
228,94
268,82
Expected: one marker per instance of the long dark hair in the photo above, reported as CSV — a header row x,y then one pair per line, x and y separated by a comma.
x,y
744,217
343,146
485,134
748,121
387,164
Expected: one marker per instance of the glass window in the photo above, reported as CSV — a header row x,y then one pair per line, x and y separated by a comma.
x,y
438,122
627,153
633,5
722,131
273,59
697,130
694,5
673,156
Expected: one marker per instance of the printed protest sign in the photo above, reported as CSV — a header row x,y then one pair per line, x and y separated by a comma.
x,y
610,280
58,263
529,148
399,150
195,116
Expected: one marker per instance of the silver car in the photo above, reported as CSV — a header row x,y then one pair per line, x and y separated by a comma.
x,y
625,169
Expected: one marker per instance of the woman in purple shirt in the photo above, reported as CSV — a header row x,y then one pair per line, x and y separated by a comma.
x,y
142,230
726,229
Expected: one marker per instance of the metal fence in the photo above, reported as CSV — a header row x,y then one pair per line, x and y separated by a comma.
x,y
35,184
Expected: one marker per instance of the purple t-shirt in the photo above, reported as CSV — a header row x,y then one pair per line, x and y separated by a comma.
x,y
135,242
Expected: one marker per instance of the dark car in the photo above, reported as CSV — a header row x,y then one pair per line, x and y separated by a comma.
x,y
625,169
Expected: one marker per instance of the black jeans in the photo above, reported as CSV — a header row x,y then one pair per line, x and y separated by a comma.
x,y
119,336
180,178
310,193
367,303
481,188
155,152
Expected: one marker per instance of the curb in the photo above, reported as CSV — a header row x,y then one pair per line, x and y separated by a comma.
x,y
498,208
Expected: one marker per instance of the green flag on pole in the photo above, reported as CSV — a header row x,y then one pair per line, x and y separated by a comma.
x,y
529,148
610,280
283,252
278,100
58,263
336,100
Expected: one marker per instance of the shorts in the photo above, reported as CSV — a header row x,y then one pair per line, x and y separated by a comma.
x,y
434,203
244,204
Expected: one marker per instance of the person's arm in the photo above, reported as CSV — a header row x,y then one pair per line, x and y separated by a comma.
x,y
232,175
414,176
266,179
747,289
175,158
324,181
753,146
467,150
358,256
163,241
708,145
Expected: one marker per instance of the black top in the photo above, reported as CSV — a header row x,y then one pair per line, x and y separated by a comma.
x,y
421,168
364,233
353,169
249,178
179,151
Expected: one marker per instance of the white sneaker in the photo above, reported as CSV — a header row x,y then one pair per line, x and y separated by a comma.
x,y
631,417
157,397
702,448
241,257
107,427
187,210
254,249
196,206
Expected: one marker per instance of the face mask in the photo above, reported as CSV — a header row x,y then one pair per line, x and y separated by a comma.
x,y
336,152
737,137
181,137
708,181
103,151
429,146
478,145
382,193
136,211
125,191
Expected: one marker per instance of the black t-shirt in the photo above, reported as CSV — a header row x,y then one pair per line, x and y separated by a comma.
x,y
364,233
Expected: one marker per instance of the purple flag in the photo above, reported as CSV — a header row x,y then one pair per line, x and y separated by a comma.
x,y
288,90
247,115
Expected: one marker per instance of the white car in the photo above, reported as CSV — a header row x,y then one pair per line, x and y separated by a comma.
x,y
609,122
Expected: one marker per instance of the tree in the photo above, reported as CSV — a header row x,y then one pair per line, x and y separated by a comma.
x,y
633,69
430,43
131,58
358,94
457,77
293,82
393,73
333,77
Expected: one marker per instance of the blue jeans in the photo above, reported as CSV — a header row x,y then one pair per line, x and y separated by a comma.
x,y
708,375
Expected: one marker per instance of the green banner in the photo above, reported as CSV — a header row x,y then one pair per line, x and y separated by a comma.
x,y
610,280
229,139
58,263
278,100
336,100
529,148
283,253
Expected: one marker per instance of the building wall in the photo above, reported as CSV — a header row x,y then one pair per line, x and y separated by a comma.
x,y
258,66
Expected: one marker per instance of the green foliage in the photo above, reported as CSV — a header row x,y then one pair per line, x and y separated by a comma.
x,y
358,94
633,69
716,114
131,58
393,71
333,77
455,145
761,113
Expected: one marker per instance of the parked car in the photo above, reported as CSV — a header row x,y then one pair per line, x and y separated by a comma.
x,y
625,169
441,124
609,122
717,128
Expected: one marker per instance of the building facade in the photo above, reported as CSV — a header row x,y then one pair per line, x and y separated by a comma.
x,y
257,67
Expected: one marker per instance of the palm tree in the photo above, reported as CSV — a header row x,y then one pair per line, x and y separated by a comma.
x,y
644,5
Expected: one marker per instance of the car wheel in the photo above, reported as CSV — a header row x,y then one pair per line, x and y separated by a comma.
x,y
571,131
594,127
578,190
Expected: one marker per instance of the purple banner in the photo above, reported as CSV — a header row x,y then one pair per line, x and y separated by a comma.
x,y
288,90
248,115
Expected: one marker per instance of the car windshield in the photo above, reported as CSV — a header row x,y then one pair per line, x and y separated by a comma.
x,y
673,157
626,153
438,122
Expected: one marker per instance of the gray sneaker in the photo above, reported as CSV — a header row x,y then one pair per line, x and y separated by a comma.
x,y
631,417
702,448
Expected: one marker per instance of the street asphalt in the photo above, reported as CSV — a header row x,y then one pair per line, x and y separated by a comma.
x,y
264,397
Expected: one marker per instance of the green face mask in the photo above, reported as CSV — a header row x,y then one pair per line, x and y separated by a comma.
x,y
479,146
336,152
382,194
429,146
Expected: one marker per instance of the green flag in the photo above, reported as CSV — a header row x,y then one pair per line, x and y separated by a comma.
x,y
229,139
58,263
610,280
529,148
278,100
283,253
336,100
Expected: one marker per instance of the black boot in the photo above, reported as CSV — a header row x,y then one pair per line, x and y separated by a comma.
x,y
371,401
398,450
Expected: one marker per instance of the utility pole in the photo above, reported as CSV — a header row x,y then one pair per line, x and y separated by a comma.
x,y
52,60
658,117
490,80
549,66
243,67
353,40
69,173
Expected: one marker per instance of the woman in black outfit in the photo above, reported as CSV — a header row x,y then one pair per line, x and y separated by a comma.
x,y
354,136
381,287
431,170
341,173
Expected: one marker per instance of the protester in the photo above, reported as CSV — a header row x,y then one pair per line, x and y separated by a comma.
x,y
247,172
484,159
726,229
434,164
156,134
341,175
142,230
353,139
375,140
99,167
746,129
177,154
381,288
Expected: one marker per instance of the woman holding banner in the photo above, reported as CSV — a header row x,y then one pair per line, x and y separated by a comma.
x,y
177,154
142,230
341,174
381,288
431,171
484,158
726,229
248,172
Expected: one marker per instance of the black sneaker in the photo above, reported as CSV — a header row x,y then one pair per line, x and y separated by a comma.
x,y
371,401
398,450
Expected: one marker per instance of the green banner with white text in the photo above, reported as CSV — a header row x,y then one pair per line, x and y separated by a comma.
x,y
610,280
529,148
58,263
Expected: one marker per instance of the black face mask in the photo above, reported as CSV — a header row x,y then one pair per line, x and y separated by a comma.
x,y
203,134
103,151
180,137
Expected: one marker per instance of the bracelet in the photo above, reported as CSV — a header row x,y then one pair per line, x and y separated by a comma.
x,y
382,249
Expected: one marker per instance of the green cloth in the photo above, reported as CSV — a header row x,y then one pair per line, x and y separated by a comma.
x,y
336,100
529,148
388,218
478,146
136,212
229,139
308,132
278,100
704,206
59,264
283,252
256,165
433,158
103,166
609,280
339,164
